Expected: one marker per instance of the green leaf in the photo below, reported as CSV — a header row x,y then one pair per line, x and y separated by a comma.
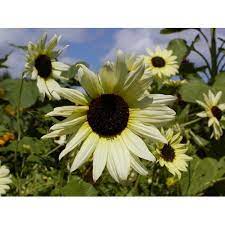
x,y
179,48
28,145
29,92
202,174
172,30
193,90
72,72
200,141
3,130
3,60
182,117
77,187
219,84
23,47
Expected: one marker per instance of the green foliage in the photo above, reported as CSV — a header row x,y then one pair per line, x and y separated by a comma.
x,y
12,88
201,175
22,47
219,84
3,60
77,187
172,30
179,48
196,88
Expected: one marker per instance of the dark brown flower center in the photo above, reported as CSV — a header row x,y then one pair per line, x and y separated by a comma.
x,y
158,61
108,115
168,153
216,112
43,65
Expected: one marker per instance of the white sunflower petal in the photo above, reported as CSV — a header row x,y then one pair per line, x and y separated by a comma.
x,y
100,158
146,131
162,99
74,96
81,135
137,165
85,151
121,158
136,145
89,81
60,66
66,111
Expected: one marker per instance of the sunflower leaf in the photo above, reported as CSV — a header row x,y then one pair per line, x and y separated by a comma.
x,y
172,30
202,174
219,84
77,187
179,48
29,92
196,88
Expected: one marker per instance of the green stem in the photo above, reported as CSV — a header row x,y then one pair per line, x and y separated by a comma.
x,y
18,119
204,58
153,178
204,36
189,177
53,150
136,183
190,122
213,51
221,59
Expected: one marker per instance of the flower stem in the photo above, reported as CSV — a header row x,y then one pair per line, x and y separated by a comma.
x,y
203,35
153,178
190,122
18,119
213,52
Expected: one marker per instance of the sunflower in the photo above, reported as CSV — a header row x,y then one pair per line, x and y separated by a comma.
x,y
172,154
161,63
109,119
174,83
41,65
214,111
5,179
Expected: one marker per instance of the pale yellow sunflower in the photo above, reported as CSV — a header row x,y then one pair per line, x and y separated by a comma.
x,y
161,63
42,65
172,155
5,179
110,118
214,111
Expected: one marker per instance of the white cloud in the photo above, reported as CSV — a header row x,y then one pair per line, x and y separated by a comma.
x,y
137,40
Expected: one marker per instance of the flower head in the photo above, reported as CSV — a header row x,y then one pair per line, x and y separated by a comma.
x,y
172,155
161,63
214,111
42,65
110,118
5,179
174,83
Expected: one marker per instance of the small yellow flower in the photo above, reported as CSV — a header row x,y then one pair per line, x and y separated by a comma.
x,y
9,110
2,92
171,181
214,111
172,155
174,83
8,136
2,142
161,63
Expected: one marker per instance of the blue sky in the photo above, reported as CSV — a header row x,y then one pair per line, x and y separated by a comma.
x,y
93,45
